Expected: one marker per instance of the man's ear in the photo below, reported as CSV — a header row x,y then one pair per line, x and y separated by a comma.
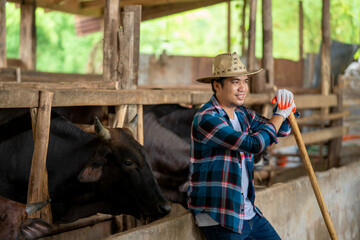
x,y
92,172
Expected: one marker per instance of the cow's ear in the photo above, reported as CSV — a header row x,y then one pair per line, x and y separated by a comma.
x,y
92,172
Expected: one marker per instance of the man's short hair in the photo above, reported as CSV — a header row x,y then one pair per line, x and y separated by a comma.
x,y
220,80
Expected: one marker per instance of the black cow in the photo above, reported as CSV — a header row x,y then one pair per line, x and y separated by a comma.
x,y
87,174
14,221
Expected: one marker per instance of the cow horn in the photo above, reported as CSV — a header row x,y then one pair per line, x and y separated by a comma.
x,y
132,124
100,130
34,207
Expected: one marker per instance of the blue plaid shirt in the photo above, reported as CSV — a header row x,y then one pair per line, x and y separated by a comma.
x,y
215,164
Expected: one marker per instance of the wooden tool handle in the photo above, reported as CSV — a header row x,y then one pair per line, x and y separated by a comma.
x,y
310,171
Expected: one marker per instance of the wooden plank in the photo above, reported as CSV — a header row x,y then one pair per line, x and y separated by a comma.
x,y
268,59
126,60
140,125
111,25
71,85
151,12
27,50
38,187
9,74
3,60
136,9
322,118
312,137
18,98
12,62
251,41
96,12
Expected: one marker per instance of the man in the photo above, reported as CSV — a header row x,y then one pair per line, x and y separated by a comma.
x,y
224,137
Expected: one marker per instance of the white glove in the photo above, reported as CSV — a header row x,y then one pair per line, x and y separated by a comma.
x,y
286,112
284,98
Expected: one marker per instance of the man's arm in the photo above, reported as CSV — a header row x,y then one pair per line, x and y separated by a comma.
x,y
277,120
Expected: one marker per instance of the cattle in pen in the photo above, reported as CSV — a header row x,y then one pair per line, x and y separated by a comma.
x,y
87,174
14,221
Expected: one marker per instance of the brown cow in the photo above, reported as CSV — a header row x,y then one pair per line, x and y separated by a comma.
x,y
14,221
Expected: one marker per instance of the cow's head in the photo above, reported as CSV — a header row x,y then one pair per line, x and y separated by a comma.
x,y
120,169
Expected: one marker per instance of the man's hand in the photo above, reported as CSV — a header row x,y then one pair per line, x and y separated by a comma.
x,y
284,98
286,112
285,103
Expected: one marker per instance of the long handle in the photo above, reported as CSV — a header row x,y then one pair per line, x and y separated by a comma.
x,y
310,171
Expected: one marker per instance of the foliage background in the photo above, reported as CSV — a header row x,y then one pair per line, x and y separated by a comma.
x,y
199,32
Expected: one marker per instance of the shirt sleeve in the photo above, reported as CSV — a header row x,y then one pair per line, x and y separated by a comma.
x,y
211,129
256,121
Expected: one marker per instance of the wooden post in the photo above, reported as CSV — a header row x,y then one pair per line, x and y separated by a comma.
x,y
136,9
229,26
140,128
301,30
3,61
111,25
38,188
243,37
251,42
129,36
28,34
252,31
268,60
335,144
325,49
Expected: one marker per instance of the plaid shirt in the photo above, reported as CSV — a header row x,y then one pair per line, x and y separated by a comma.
x,y
215,164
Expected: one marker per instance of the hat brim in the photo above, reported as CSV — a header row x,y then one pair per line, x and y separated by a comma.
x,y
233,74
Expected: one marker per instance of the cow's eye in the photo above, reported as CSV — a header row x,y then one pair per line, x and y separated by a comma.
x,y
128,163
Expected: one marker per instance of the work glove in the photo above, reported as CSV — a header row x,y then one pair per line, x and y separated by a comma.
x,y
284,98
285,103
285,112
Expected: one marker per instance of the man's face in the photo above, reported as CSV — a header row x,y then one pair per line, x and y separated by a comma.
x,y
234,91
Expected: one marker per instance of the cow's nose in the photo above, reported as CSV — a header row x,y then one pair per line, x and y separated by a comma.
x,y
164,208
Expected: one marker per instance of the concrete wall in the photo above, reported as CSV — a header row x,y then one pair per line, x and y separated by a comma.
x,y
294,212
291,208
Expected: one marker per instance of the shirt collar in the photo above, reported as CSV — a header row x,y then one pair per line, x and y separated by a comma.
x,y
218,107
216,104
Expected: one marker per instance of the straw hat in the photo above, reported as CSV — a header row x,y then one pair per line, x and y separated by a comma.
x,y
227,65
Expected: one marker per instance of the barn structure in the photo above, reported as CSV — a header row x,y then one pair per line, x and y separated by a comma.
x,y
24,87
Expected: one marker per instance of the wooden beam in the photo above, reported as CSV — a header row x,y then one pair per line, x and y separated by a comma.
x,y
152,2
3,60
26,98
268,59
313,137
51,86
111,26
322,118
95,12
38,188
151,12
28,34
9,74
